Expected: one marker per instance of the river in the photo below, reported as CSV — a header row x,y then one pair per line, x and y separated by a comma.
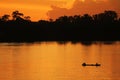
x,y
54,61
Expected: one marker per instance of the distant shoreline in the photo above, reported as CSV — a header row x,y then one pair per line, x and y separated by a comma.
x,y
99,27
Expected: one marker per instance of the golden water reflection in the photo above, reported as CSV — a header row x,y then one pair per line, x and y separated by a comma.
x,y
52,61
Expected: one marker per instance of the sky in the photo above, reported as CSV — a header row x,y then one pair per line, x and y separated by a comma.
x,y
46,9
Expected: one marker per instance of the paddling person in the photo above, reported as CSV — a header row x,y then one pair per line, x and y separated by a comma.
x,y
84,64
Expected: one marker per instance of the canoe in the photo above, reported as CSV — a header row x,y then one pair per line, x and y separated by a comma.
x,y
84,64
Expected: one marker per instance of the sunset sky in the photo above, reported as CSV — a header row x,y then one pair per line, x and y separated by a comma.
x,y
45,9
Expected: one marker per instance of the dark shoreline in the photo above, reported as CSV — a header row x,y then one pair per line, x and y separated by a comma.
x,y
99,27
86,43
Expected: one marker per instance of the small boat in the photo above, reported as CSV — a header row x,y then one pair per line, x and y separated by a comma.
x,y
84,64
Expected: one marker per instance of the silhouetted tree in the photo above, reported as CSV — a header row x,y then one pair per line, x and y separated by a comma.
x,y
0,17
63,19
27,18
42,22
16,14
5,17
95,17
71,19
107,16
86,18
76,19
51,20
112,15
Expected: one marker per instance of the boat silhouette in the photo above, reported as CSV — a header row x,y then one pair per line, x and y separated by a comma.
x,y
85,64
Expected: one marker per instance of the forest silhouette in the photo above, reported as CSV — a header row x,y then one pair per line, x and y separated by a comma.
x,y
98,27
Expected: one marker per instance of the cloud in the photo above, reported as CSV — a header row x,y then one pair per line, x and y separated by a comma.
x,y
88,6
57,11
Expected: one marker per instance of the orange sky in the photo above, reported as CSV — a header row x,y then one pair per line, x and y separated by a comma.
x,y
44,9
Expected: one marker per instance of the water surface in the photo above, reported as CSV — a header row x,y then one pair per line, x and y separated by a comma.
x,y
53,61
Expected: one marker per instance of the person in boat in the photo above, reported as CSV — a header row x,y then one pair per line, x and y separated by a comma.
x,y
97,64
84,64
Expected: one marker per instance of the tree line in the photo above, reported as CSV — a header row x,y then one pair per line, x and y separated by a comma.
x,y
98,27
